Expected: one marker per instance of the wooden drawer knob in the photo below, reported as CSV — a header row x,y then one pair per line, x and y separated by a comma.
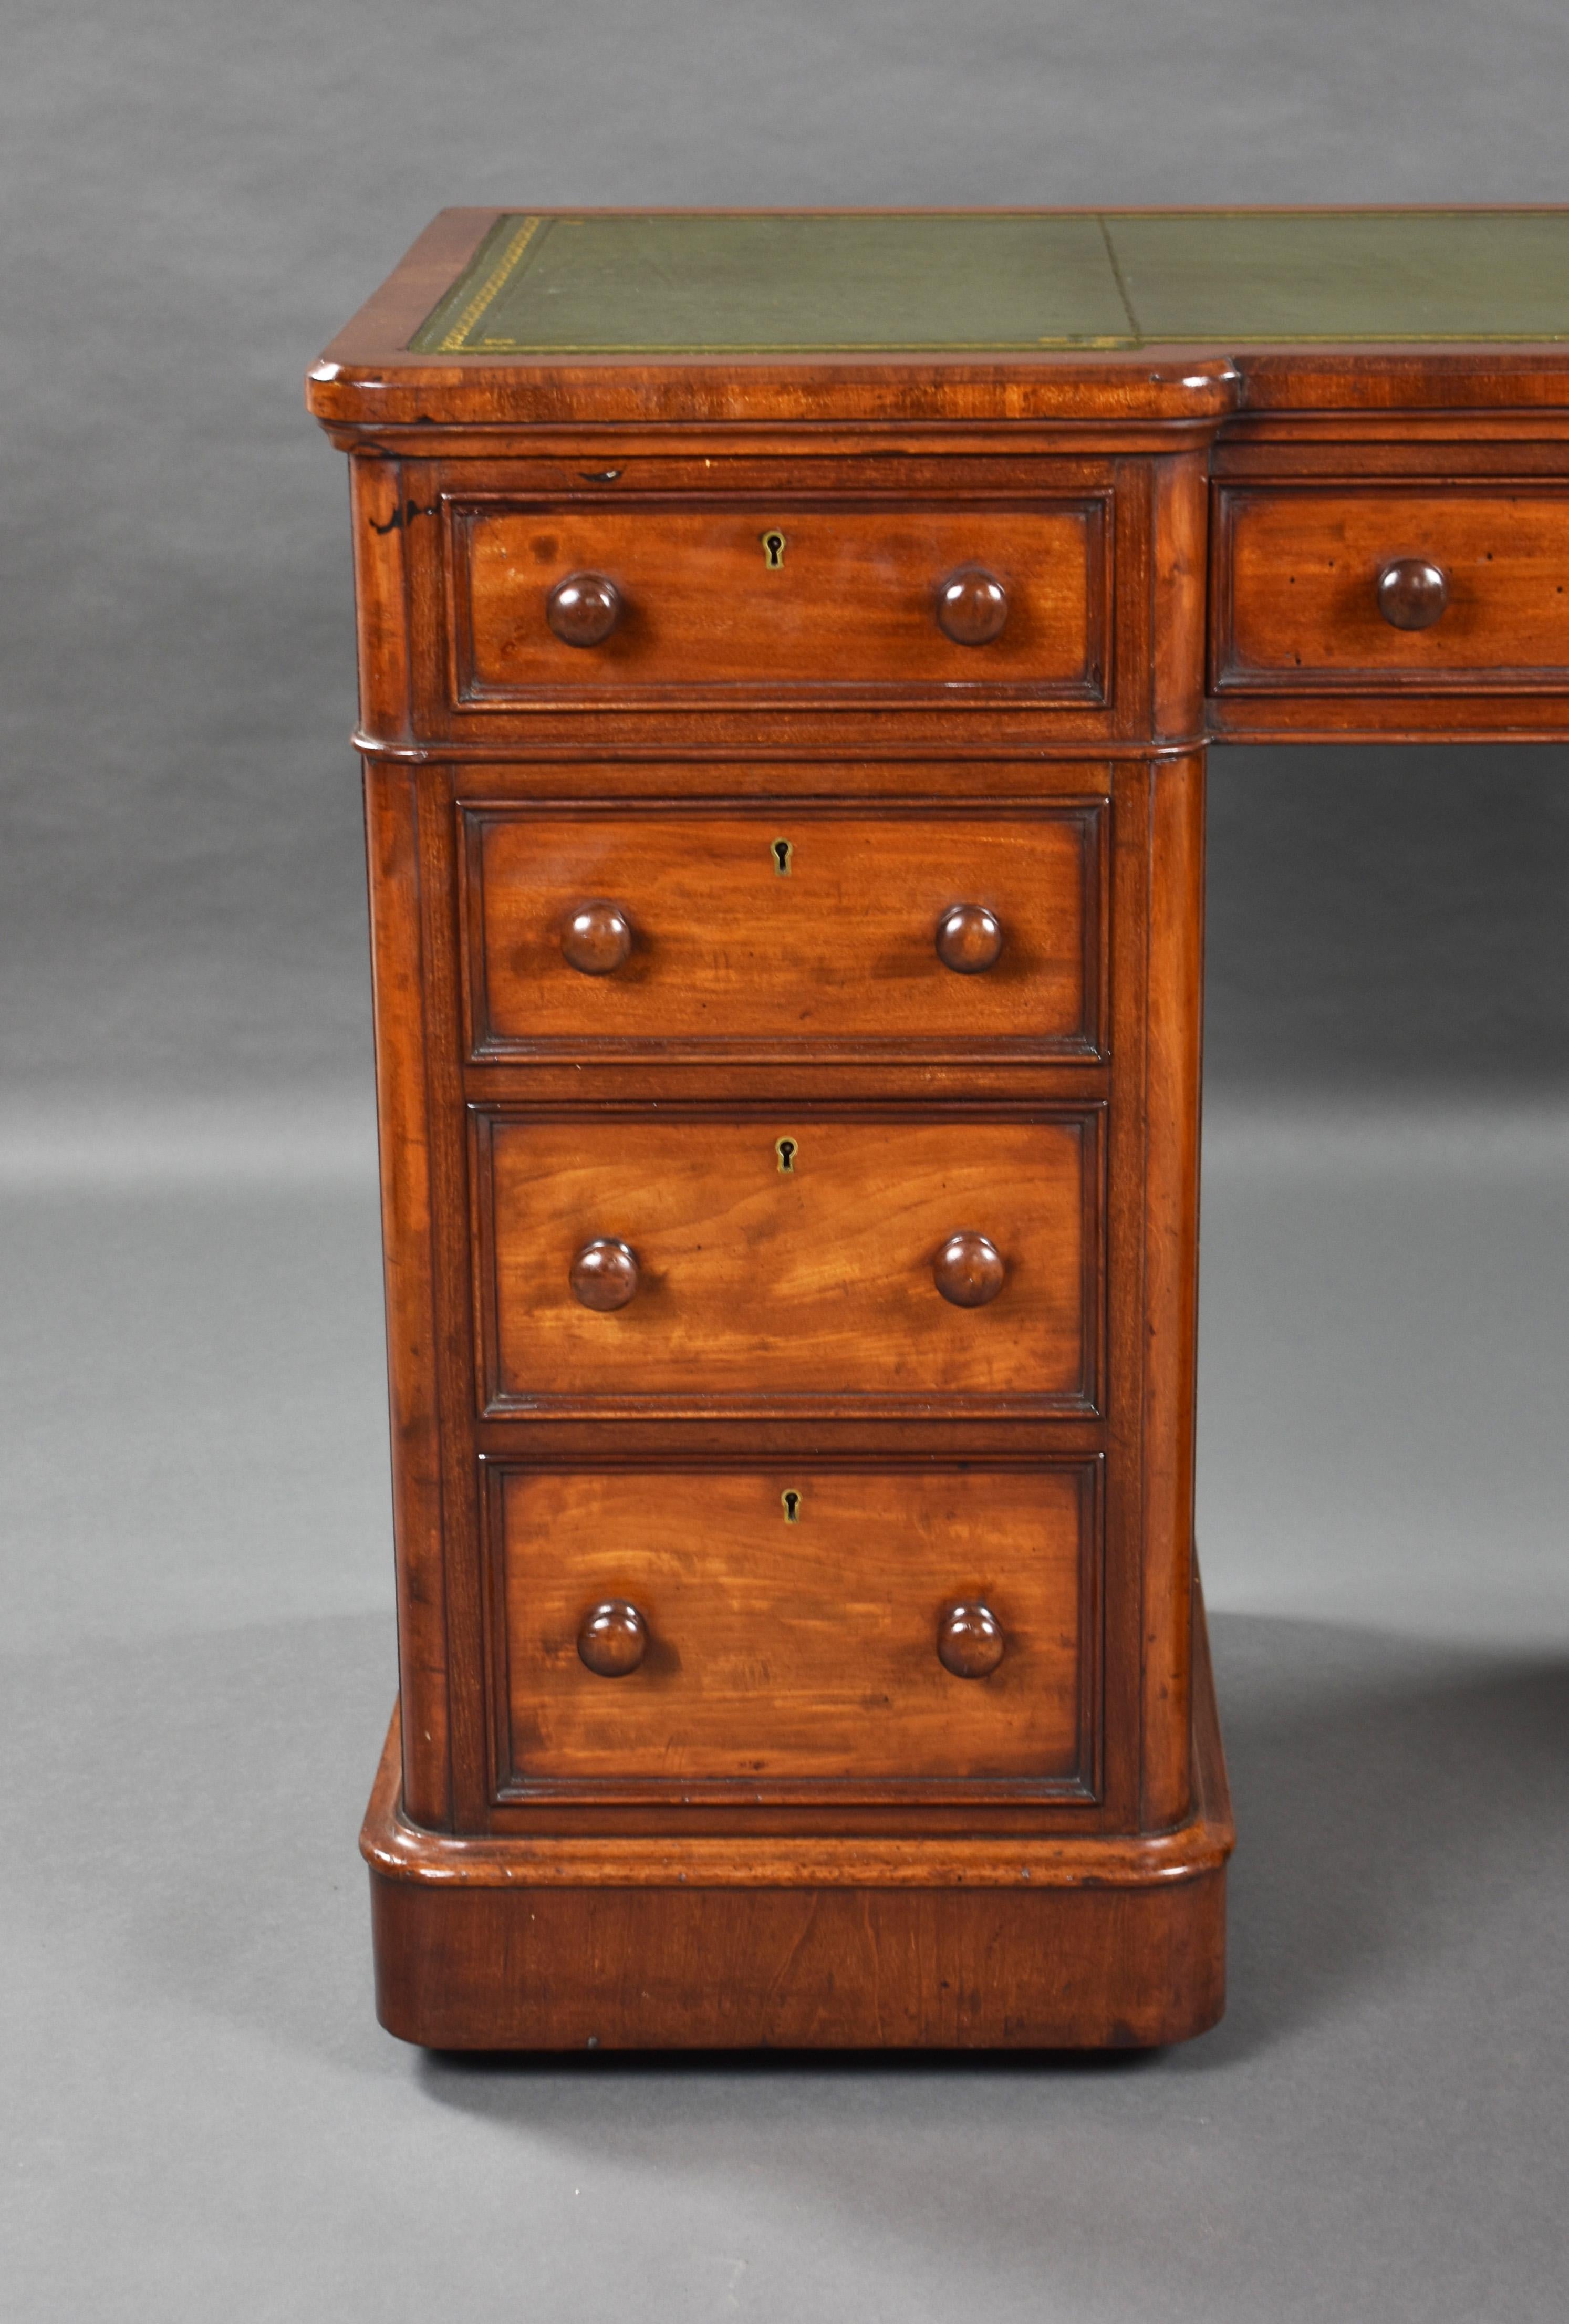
x,y
968,1270
614,1639
584,609
1412,594
972,606
969,1641
969,939
604,1275
596,939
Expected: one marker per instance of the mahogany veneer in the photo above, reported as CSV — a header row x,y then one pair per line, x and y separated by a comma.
x,y
804,1646
788,649
1383,591
858,597
798,1259
819,931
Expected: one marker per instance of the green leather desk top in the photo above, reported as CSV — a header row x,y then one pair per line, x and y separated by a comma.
x,y
698,282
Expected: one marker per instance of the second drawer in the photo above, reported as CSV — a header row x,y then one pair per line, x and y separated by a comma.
x,y
797,929
685,1259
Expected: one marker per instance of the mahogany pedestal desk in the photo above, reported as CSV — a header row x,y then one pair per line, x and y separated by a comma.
x,y
789,645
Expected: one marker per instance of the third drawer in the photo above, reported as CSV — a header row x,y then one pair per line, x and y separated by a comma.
x,y
692,1258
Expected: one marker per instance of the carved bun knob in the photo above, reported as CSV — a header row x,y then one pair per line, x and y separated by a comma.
x,y
596,939
604,1275
614,1639
972,606
584,609
1412,593
968,1270
969,939
969,1641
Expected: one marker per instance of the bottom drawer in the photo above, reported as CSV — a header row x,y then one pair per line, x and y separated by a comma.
x,y
793,1632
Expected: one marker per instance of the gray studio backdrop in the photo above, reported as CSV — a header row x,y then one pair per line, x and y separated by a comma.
x,y
199,2115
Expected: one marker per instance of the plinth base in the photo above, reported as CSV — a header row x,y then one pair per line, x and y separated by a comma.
x,y
979,1943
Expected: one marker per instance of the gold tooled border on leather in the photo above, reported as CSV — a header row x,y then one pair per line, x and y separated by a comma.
x,y
457,328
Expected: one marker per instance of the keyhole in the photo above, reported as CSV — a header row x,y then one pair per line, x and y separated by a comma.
x,y
793,1507
787,1149
782,852
773,549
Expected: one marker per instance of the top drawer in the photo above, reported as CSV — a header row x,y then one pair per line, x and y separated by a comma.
x,y
1391,590
709,600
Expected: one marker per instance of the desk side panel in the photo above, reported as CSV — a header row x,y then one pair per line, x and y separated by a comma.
x,y
392,848
1171,1091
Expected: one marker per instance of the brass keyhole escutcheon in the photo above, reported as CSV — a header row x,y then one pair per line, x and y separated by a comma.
x,y
787,1148
791,1502
782,851
774,548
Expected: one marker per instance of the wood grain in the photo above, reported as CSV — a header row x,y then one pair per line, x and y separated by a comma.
x,y
1173,1018
611,1967
1297,589
412,1321
785,1649
837,952
762,1285
852,603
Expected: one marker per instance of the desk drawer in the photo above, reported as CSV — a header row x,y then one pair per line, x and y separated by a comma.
x,y
1392,590
788,1628
719,600
686,1259
785,930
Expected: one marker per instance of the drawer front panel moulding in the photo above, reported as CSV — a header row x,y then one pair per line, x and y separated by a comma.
x,y
801,929
797,1259
801,1633
1391,590
777,596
